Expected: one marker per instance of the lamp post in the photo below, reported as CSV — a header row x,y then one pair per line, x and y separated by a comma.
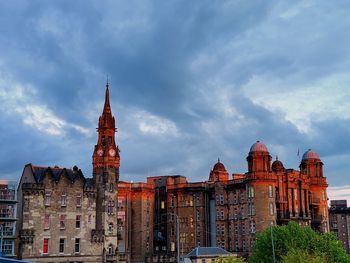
x,y
273,245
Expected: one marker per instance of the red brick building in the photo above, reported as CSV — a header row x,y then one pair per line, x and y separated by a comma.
x,y
227,211
339,222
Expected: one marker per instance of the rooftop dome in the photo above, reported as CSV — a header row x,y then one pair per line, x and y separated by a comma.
x,y
219,167
310,154
277,165
258,147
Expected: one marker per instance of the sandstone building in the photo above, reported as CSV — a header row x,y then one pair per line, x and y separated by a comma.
x,y
66,217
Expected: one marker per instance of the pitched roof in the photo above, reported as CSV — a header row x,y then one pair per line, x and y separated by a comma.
x,y
56,173
207,252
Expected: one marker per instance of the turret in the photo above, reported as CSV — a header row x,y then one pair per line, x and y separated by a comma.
x,y
311,164
259,159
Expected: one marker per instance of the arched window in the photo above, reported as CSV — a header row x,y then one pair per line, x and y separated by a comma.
x,y
110,228
110,249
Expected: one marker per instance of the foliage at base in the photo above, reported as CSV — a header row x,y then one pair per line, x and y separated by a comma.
x,y
297,244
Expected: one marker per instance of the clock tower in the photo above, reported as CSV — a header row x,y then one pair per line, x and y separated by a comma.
x,y
106,162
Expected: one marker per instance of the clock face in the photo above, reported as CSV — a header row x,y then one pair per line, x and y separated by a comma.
x,y
100,152
111,152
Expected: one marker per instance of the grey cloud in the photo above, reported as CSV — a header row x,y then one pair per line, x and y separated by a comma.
x,y
65,49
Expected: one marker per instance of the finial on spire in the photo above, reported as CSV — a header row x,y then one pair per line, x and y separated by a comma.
x,y
218,160
276,157
107,84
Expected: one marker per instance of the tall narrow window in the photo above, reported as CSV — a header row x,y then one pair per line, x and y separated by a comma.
x,y
271,209
222,199
110,228
46,221
77,221
270,191
61,246
110,249
250,191
63,199
47,200
77,245
62,221
110,206
78,200
162,204
46,246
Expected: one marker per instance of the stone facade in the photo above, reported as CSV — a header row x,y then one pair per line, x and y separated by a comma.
x,y
65,217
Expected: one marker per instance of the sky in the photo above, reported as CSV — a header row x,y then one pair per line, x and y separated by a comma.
x,y
190,82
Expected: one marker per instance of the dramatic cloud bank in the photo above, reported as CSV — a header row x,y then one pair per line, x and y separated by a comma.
x,y
190,82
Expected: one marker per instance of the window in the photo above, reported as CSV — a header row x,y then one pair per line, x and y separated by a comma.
x,y
47,200
270,191
250,191
63,199
77,245
222,199
111,187
61,246
7,247
46,221
8,229
198,199
89,218
172,201
110,207
77,221
62,221
162,205
222,215
271,209
110,228
78,200
252,227
46,246
251,209
110,249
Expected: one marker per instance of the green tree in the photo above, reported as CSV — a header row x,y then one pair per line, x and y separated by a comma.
x,y
229,259
297,244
